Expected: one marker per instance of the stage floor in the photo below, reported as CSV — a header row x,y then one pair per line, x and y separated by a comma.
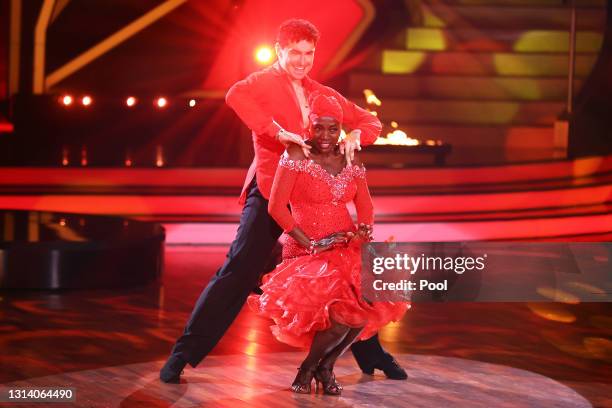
x,y
109,346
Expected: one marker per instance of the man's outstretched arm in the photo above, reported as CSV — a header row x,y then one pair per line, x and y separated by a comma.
x,y
244,97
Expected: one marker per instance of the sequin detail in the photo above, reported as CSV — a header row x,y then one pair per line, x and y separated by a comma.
x,y
318,200
337,183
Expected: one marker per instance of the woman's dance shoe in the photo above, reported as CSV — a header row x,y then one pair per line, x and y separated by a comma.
x,y
326,377
303,380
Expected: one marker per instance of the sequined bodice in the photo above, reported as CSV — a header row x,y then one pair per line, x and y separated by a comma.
x,y
318,200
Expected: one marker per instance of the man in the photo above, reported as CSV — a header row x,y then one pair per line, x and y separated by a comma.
x,y
273,103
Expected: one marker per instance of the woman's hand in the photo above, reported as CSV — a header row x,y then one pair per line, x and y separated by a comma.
x,y
363,233
329,242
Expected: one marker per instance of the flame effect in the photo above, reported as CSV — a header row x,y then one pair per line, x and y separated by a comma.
x,y
371,98
397,137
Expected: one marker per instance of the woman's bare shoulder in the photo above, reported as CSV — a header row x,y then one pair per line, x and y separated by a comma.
x,y
295,152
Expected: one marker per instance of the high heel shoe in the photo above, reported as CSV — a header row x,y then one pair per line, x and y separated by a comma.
x,y
303,380
326,377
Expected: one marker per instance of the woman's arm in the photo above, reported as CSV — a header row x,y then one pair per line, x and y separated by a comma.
x,y
282,187
363,203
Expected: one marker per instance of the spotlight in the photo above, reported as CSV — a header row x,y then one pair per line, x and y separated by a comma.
x,y
192,103
84,160
86,100
65,154
128,159
161,102
159,157
66,100
263,55
130,101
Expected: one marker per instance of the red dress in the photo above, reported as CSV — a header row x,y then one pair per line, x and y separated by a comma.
x,y
304,291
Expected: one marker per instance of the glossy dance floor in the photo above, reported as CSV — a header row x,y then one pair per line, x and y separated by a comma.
x,y
110,345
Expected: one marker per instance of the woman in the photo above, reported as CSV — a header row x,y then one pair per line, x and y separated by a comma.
x,y
314,294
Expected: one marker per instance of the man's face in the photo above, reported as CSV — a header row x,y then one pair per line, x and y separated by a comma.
x,y
296,58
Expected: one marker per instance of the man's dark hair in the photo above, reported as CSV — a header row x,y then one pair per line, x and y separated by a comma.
x,y
296,30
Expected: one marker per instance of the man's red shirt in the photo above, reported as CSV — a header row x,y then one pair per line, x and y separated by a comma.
x,y
266,101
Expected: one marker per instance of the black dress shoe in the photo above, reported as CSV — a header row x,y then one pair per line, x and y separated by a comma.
x,y
172,370
390,367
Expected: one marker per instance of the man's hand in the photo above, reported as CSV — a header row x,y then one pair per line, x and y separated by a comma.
x,y
286,137
351,142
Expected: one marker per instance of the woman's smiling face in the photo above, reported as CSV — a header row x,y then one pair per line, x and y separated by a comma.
x,y
325,132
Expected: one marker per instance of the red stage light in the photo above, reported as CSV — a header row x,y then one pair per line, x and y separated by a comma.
x,y
192,103
159,156
128,159
6,127
84,160
65,153
161,102
66,100
130,101
86,100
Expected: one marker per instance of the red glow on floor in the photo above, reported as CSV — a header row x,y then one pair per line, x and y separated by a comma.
x,y
224,233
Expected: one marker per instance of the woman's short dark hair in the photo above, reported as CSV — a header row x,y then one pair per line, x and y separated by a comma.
x,y
296,30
